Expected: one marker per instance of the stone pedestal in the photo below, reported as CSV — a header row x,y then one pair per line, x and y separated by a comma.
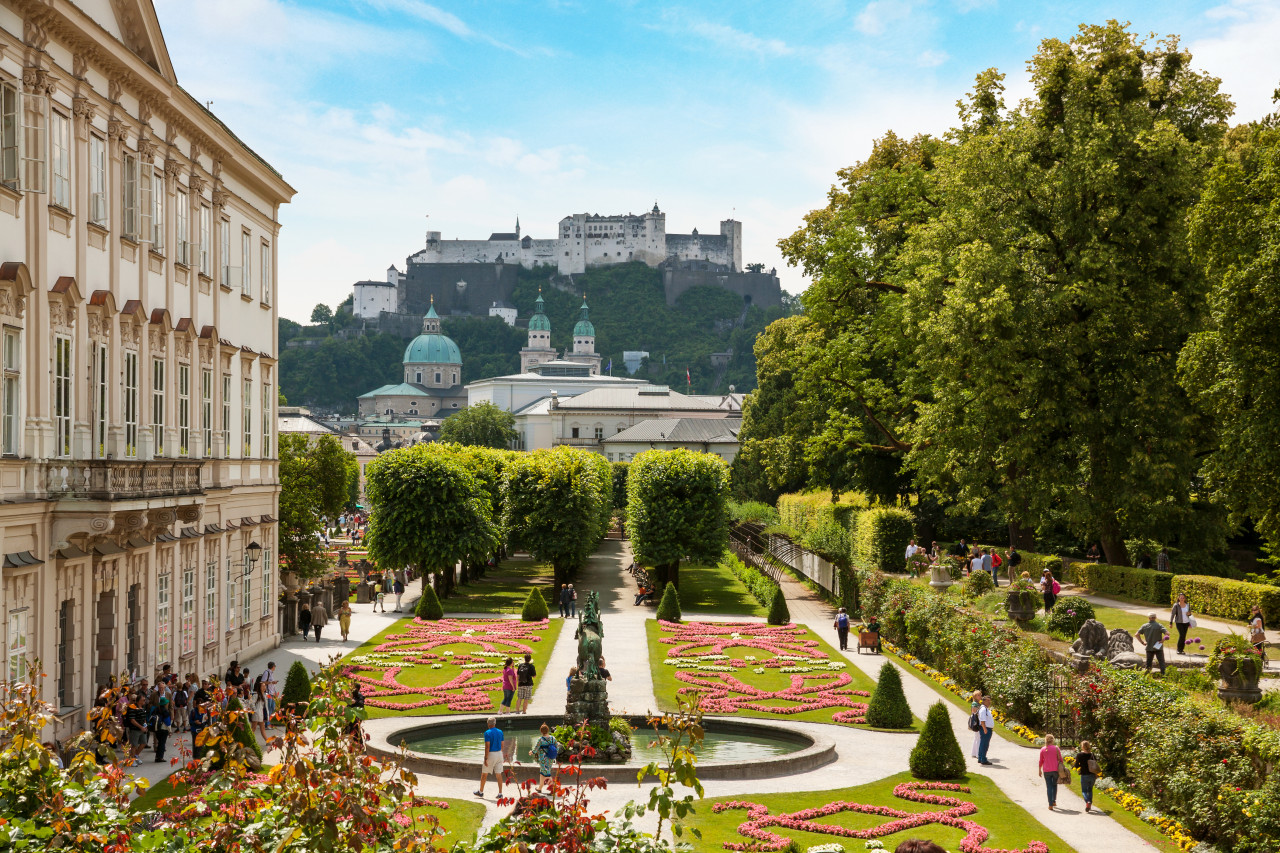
x,y
940,578
1235,687
341,589
588,700
1020,605
364,593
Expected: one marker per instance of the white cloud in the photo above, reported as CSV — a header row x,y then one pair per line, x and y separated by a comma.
x,y
1243,54
878,15
932,58
725,36
426,12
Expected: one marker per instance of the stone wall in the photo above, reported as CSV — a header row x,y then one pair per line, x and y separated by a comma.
x,y
484,285
757,288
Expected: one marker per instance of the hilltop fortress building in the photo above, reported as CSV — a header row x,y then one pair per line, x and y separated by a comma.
x,y
476,277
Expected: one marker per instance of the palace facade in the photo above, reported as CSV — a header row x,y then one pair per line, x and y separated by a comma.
x,y
138,250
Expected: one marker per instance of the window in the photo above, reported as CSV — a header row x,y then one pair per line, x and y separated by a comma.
x,y
184,409
66,653
157,211
182,215
100,401
437,377
268,575
130,404
157,404
60,160
265,273
19,624
226,414
10,135
206,237
97,180
419,379
224,252
129,198
246,263
211,601
247,595
9,398
599,433
247,400
206,411
163,638
231,596
188,635
575,432
266,420
62,395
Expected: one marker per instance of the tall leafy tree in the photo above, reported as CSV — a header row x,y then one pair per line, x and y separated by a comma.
x,y
677,508
1232,367
1047,303
427,509
557,504
316,479
480,425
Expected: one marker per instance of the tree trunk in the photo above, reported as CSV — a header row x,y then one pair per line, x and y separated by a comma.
x,y
673,574
1113,547
464,575
561,577
1021,537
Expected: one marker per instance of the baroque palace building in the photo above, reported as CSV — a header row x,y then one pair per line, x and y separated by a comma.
x,y
138,249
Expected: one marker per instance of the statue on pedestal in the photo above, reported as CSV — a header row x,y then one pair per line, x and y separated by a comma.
x,y
588,695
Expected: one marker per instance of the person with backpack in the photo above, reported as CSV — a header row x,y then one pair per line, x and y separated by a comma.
x,y
1015,560
545,749
987,723
159,722
180,700
1050,588
975,702
524,683
1053,768
842,628
1087,764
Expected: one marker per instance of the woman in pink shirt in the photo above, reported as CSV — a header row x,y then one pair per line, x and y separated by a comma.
x,y
1051,765
508,684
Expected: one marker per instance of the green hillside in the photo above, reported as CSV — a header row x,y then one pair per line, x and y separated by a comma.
x,y
628,309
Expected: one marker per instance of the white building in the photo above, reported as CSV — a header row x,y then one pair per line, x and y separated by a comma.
x,y
587,419
138,246
705,435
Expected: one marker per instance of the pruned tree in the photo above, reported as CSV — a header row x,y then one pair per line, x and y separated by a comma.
x,y
480,425
316,481
676,508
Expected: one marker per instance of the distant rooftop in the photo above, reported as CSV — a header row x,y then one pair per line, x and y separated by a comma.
x,y
681,431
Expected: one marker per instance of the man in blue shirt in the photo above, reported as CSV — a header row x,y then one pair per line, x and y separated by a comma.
x,y
492,762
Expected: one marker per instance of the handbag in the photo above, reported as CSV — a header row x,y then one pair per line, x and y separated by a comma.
x,y
1191,621
1094,769
1064,772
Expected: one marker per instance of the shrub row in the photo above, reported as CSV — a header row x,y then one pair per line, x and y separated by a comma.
x,y
805,511
1143,584
757,582
878,538
1227,598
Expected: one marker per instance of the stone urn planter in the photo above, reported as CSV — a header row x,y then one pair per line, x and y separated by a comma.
x,y
1020,605
940,578
1238,678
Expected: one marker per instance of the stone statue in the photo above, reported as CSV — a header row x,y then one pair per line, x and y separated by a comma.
x,y
588,694
1093,639
590,631
1119,642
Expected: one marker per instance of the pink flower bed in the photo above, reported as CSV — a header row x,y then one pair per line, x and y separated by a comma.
x,y
468,691
727,693
955,815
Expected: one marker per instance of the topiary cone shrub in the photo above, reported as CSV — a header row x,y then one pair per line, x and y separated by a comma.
x,y
778,612
297,690
428,607
888,708
242,731
535,607
937,755
669,606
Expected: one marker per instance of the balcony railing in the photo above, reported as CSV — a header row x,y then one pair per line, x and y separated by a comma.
x,y
585,441
109,479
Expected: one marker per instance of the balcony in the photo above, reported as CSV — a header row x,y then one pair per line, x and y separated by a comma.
x,y
589,442
115,480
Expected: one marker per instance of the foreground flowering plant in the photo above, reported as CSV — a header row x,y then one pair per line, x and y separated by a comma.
x,y
476,647
816,682
955,815
1172,829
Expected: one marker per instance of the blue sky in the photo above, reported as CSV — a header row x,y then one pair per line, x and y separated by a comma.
x,y
384,112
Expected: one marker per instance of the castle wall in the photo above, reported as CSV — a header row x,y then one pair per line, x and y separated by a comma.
x,y
714,248
762,289
484,284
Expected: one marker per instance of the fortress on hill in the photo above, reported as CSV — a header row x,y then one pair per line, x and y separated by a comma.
x,y
477,277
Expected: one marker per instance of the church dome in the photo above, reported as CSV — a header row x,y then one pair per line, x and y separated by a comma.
x,y
539,322
432,349
584,327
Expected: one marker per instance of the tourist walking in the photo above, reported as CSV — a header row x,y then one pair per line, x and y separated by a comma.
x,y
1162,560
987,565
344,619
1087,765
492,762
911,550
508,684
987,720
235,676
1053,769
975,705
398,589
319,618
1181,619
842,628
545,749
258,703
573,602
1049,588
1257,629
524,683
180,700
1154,636
304,621
564,600
271,686
161,721
1014,560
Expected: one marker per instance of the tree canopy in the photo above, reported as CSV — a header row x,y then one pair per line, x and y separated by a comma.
x,y
317,480
676,508
480,425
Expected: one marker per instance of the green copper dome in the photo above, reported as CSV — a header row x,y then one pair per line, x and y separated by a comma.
x,y
584,326
539,322
432,349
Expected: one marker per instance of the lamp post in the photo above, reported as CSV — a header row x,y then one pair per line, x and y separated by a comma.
x,y
254,551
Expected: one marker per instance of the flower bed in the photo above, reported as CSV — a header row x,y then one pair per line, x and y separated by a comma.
x,y
1168,827
956,813
451,665
760,670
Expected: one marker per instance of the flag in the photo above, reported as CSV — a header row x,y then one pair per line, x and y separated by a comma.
x,y
610,367
687,377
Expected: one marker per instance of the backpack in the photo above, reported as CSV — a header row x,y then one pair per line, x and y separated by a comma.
x,y
1057,587
974,725
524,673
551,750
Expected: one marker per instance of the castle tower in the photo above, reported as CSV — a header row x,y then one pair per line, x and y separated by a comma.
x,y
584,340
539,349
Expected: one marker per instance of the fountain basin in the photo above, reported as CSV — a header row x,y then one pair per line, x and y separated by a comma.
x,y
734,749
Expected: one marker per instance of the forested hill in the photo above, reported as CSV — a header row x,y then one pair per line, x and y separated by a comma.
x,y
628,309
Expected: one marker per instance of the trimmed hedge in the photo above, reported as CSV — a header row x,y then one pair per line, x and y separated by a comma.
x,y
803,512
1069,613
937,754
757,582
428,608
669,606
878,538
778,612
297,689
1228,598
978,584
535,607
888,708
1143,584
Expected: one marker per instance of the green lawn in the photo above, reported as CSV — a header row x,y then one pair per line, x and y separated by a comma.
x,y
503,589
666,685
1010,826
714,589
1131,622
153,795
422,675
